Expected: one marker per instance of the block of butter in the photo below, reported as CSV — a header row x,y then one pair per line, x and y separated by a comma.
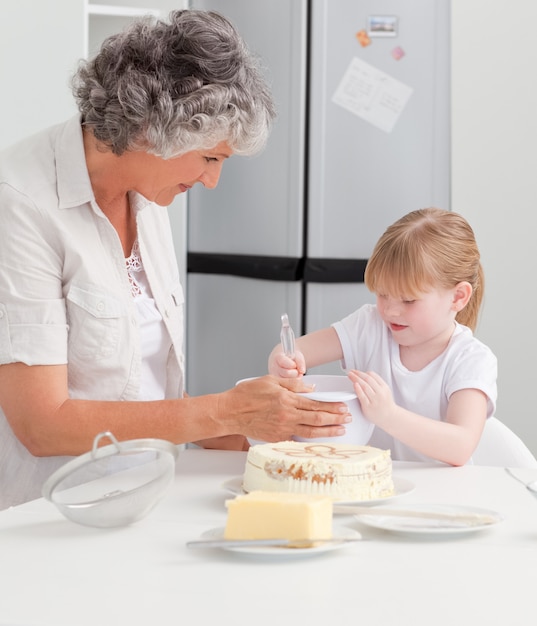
x,y
279,515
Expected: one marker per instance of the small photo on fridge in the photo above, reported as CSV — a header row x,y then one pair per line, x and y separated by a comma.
x,y
382,25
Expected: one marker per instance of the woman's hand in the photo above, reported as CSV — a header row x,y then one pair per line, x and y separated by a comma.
x,y
273,409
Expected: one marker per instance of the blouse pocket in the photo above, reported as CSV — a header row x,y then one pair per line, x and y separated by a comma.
x,y
94,320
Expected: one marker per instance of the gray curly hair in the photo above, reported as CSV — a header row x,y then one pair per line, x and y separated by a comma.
x,y
170,87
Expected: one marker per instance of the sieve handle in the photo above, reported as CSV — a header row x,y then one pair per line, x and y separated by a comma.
x,y
102,435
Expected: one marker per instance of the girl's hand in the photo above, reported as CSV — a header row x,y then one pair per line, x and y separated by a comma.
x,y
284,366
374,395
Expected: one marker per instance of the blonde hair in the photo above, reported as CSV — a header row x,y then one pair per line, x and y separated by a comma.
x,y
427,249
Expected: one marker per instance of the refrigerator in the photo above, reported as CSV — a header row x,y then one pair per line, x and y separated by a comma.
x,y
362,136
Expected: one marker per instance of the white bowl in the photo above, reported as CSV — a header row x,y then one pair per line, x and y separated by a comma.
x,y
333,388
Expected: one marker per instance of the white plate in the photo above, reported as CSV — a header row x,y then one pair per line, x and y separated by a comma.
x,y
424,526
276,551
401,485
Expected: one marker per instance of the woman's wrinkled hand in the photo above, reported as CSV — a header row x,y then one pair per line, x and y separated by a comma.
x,y
273,409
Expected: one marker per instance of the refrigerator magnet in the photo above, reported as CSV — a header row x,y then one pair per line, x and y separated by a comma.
x,y
382,25
398,53
363,38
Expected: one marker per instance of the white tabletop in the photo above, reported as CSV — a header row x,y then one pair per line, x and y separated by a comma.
x,y
57,573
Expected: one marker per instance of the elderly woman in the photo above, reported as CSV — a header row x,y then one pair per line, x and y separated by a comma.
x,y
91,307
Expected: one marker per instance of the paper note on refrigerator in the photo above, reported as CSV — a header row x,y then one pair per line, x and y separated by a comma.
x,y
372,95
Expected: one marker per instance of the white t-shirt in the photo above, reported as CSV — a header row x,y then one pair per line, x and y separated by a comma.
x,y
65,296
466,363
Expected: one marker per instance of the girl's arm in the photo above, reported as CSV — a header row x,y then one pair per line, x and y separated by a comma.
x,y
452,441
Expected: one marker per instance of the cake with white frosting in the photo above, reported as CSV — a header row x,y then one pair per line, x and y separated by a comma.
x,y
345,472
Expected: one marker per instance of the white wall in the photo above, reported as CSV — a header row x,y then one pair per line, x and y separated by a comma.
x,y
40,43
494,185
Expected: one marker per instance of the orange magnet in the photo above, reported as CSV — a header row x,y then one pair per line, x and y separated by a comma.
x,y
363,38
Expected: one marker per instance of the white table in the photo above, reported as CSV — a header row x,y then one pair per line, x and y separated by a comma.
x,y
56,573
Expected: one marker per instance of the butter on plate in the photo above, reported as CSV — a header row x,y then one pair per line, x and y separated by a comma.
x,y
279,515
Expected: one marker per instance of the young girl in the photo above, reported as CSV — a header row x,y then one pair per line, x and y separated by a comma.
x,y
420,375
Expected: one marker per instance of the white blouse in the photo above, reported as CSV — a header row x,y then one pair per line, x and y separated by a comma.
x,y
155,342
65,297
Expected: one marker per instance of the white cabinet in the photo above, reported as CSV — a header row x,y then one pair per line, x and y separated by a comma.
x,y
105,19
108,17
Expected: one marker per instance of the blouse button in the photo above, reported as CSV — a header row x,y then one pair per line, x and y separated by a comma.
x,y
100,306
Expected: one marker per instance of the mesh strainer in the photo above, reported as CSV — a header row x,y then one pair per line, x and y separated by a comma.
x,y
113,485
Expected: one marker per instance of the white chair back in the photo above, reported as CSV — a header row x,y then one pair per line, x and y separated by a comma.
x,y
500,446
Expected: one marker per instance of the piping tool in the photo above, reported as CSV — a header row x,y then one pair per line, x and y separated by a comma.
x,y
287,337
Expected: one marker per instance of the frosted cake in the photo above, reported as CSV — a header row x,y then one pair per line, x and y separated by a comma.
x,y
344,472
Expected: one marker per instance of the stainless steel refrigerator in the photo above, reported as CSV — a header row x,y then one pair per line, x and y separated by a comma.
x,y
362,137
